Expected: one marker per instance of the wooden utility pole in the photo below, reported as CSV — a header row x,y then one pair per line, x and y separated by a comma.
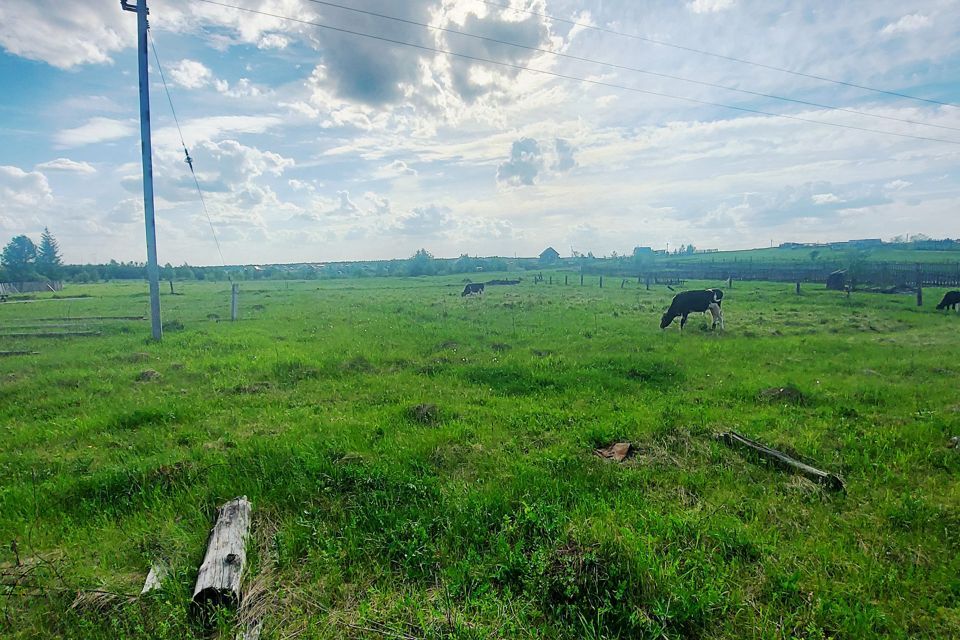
x,y
153,270
919,284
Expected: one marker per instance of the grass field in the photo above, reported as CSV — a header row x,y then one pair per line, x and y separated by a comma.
x,y
484,515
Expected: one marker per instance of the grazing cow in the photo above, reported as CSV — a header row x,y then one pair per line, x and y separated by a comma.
x,y
951,300
472,288
689,302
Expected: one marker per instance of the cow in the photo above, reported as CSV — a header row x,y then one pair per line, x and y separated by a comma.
x,y
699,301
472,288
951,300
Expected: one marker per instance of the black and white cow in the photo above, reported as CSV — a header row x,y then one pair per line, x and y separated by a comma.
x,y
472,288
689,302
951,300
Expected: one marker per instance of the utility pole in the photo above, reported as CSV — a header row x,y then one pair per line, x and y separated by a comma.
x,y
153,270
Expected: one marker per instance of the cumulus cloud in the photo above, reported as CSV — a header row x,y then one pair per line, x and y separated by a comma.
x,y
85,31
243,88
530,32
20,189
526,161
529,160
95,130
397,168
68,166
906,24
190,74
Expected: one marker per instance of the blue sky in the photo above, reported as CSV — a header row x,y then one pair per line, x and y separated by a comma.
x,y
315,145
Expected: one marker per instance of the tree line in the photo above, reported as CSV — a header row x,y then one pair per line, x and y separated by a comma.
x,y
25,261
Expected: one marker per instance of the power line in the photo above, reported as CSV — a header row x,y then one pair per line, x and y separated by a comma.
x,y
712,54
634,69
186,153
576,78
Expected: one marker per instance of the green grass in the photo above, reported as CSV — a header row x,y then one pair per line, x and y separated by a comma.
x,y
488,516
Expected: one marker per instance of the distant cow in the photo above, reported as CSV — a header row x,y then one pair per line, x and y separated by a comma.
x,y
472,288
951,300
689,302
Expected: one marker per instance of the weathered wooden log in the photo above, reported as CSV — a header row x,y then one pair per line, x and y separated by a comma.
x,y
218,580
155,577
829,480
4,354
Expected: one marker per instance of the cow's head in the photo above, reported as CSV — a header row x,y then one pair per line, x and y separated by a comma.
x,y
666,320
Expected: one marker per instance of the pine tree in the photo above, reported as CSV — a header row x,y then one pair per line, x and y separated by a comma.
x,y
49,262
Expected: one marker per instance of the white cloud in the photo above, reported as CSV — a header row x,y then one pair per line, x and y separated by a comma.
x,y
23,194
67,165
710,6
825,198
82,32
897,185
95,130
191,74
906,24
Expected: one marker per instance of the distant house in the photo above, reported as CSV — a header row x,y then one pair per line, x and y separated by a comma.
x,y
549,255
642,251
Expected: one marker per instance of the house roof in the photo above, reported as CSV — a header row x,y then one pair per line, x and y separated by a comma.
x,y
549,251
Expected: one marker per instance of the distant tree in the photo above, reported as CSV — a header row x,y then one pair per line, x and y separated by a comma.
x,y
814,255
19,259
421,264
689,249
49,262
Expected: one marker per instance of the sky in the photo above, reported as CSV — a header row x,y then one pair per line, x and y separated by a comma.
x,y
314,144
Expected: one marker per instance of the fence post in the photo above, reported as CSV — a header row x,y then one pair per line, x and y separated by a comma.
x,y
581,278
919,285
648,282
623,283
798,287
551,280
601,281
566,279
234,294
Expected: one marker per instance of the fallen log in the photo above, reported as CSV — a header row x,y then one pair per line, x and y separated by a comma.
x,y
4,354
783,461
218,580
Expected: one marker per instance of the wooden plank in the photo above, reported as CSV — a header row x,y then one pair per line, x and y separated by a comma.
x,y
829,480
218,580
155,578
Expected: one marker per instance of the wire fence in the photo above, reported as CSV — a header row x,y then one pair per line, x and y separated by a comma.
x,y
867,273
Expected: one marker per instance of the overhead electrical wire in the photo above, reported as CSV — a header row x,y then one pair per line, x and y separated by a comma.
x,y
186,153
574,78
662,43
628,68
